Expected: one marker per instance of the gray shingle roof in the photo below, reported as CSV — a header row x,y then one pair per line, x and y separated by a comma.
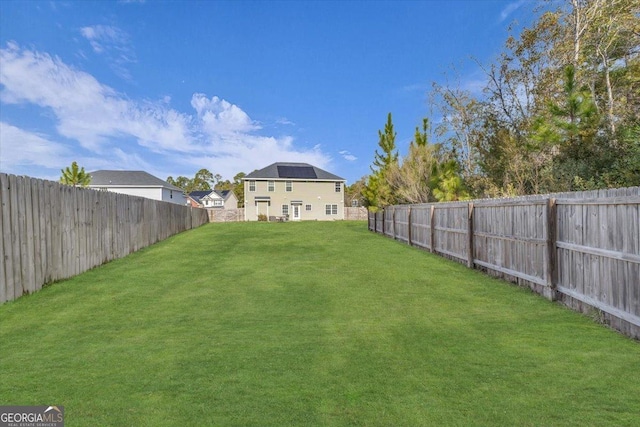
x,y
198,195
128,178
283,170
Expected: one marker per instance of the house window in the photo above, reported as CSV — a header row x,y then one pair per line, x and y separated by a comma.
x,y
338,187
272,186
289,186
331,209
354,203
217,203
252,186
285,209
307,207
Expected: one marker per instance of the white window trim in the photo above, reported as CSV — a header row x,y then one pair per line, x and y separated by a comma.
x,y
331,209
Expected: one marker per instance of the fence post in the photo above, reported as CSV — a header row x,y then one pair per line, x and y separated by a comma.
x,y
470,236
552,269
375,222
393,222
409,225
383,220
432,228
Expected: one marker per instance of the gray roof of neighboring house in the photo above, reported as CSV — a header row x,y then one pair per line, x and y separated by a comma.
x,y
198,195
283,170
128,178
225,194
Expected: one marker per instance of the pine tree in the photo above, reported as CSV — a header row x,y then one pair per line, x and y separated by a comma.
x,y
387,142
378,192
421,138
75,176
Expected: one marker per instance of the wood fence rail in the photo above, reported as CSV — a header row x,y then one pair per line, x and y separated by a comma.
x,y
52,231
581,248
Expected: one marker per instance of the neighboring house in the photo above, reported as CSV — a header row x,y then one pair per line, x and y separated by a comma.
x,y
296,191
137,183
217,199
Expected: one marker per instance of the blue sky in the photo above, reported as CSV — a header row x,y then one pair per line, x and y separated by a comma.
x,y
230,86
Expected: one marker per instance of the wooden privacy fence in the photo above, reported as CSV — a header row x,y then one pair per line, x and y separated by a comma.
x,y
225,215
352,213
52,231
581,248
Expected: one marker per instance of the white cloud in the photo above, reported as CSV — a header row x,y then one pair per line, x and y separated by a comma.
x,y
22,150
348,156
119,132
115,44
87,110
19,148
285,121
510,8
220,117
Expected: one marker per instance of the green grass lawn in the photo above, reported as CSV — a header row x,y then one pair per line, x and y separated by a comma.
x,y
308,324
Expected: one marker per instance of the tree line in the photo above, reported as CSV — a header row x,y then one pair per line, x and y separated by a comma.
x,y
559,111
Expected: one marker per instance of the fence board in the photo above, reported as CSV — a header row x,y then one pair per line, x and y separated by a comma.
x,y
421,226
450,227
16,282
401,223
6,255
389,229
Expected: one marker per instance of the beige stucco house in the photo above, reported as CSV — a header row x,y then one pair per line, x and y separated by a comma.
x,y
293,191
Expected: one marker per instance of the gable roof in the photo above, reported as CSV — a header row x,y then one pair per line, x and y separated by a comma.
x,y
198,195
128,179
213,195
283,170
225,194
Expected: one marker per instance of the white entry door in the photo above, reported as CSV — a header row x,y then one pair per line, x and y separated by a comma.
x,y
296,212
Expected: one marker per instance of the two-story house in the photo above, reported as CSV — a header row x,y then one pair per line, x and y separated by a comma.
x,y
295,191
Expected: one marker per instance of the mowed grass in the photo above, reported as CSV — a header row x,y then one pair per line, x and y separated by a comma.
x,y
263,324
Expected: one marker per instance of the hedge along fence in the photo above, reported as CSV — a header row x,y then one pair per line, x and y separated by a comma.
x,y
580,248
52,231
